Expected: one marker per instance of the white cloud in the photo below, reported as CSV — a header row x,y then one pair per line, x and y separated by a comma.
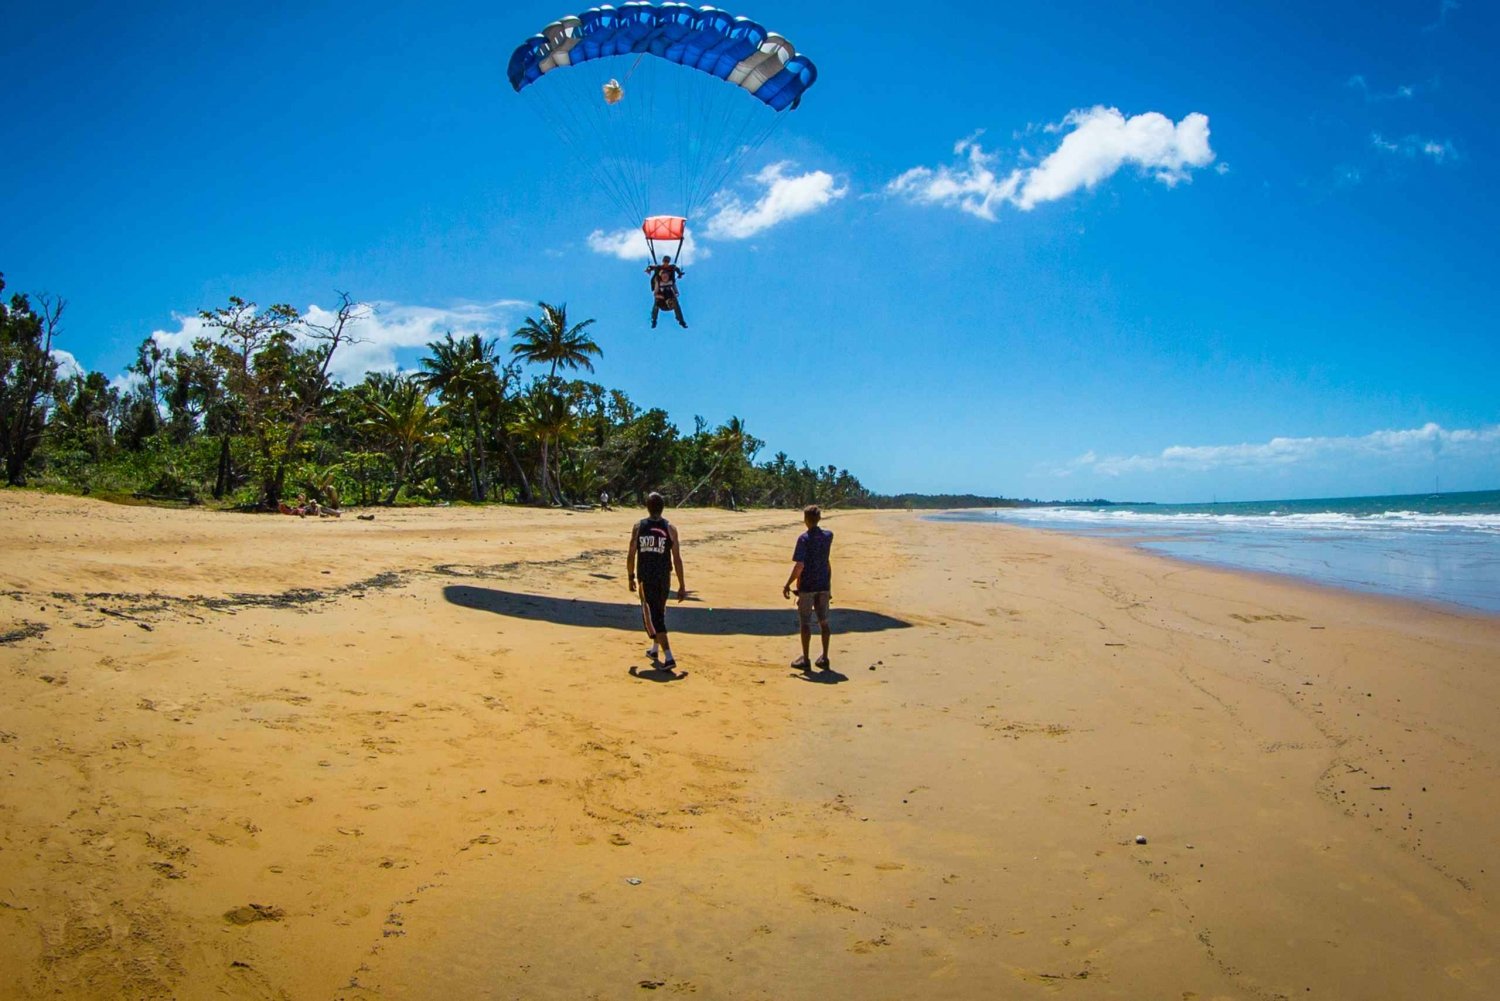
x,y
1403,92
384,329
785,197
189,329
389,327
1103,141
127,382
1439,151
1394,447
67,365
630,245
1098,143
1414,146
974,187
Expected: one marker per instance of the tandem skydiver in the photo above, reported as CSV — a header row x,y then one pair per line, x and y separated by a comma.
x,y
664,289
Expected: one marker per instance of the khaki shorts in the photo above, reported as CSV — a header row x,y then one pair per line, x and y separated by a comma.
x,y
810,603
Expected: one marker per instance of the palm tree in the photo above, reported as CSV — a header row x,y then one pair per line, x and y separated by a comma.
x,y
546,417
404,422
462,372
552,341
729,439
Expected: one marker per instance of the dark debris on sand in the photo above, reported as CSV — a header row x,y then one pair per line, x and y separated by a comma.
x,y
25,631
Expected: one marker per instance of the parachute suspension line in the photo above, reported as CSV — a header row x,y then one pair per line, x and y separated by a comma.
x,y
560,111
700,124
626,124
676,254
746,144
643,133
633,66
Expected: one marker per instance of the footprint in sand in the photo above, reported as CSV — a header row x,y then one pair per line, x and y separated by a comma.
x,y
251,913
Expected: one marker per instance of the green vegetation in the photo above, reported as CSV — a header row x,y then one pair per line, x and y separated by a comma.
x,y
939,502
251,416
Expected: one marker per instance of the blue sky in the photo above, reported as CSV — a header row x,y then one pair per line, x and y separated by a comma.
x,y
1165,251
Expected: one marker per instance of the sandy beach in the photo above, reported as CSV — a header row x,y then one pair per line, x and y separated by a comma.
x,y
425,756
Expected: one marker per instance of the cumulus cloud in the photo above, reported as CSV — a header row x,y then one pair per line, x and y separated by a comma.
x,y
189,329
973,187
127,382
67,365
630,245
389,327
384,329
1391,447
1097,143
785,196
1414,146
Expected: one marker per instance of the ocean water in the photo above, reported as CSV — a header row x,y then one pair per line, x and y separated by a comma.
x,y
1441,548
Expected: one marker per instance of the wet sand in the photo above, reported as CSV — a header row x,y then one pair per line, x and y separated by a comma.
x,y
425,756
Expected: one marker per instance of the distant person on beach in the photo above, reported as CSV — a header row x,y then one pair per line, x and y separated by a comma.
x,y
664,289
301,509
655,551
812,577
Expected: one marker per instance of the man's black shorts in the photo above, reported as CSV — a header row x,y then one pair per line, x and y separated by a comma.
x,y
654,594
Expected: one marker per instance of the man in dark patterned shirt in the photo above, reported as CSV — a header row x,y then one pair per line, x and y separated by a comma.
x,y
813,578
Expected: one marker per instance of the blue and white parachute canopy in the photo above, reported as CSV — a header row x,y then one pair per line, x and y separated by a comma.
x,y
734,49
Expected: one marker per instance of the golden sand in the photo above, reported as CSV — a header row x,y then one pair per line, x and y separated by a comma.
x,y
424,756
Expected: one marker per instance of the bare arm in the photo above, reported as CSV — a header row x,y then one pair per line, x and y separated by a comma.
x,y
677,562
630,560
794,578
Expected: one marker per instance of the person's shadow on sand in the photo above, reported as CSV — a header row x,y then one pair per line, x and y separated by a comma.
x,y
827,676
690,618
657,673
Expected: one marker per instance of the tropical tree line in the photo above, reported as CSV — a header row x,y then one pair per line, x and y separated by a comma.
x,y
251,415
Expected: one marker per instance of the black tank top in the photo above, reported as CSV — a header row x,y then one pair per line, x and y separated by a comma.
x,y
653,549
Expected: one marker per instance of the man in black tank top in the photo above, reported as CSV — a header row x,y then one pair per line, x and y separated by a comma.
x,y
654,551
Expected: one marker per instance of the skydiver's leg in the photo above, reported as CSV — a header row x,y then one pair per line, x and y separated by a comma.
x,y
655,308
677,308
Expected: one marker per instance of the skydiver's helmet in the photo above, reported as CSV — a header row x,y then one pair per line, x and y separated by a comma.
x,y
613,92
666,259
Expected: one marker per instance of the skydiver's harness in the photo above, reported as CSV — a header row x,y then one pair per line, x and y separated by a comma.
x,y
664,286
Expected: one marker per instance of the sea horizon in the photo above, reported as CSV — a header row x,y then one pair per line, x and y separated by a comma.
x,y
1442,548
